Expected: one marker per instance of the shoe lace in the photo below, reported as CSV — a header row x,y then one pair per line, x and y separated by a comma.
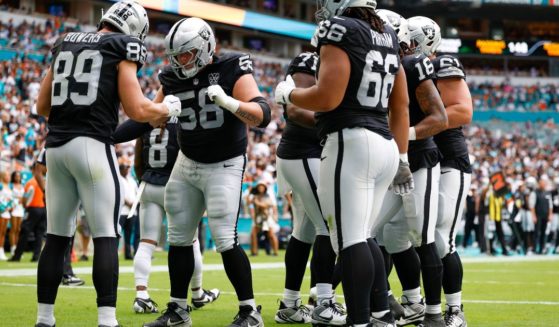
x,y
304,310
449,317
337,308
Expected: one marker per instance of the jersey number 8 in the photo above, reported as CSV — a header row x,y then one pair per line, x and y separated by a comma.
x,y
158,161
63,70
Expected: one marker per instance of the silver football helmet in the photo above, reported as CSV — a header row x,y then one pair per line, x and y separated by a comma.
x,y
398,23
425,35
129,17
330,8
194,36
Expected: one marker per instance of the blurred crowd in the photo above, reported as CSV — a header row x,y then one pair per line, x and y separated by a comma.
x,y
517,152
506,97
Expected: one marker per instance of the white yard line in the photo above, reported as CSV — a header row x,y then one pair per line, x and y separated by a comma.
x,y
130,289
280,265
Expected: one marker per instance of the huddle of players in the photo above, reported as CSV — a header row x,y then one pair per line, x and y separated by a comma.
x,y
415,226
212,98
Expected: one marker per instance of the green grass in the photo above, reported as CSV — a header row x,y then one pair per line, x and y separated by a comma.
x,y
520,284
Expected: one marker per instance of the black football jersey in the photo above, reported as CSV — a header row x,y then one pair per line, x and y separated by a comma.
x,y
452,142
374,63
208,133
298,142
85,98
422,153
159,148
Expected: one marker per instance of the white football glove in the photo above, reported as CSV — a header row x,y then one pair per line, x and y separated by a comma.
x,y
403,181
173,104
218,96
284,89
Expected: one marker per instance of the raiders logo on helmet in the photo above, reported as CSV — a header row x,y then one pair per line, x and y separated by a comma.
x,y
429,32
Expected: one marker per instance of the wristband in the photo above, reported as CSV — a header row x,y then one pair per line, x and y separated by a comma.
x,y
412,136
404,157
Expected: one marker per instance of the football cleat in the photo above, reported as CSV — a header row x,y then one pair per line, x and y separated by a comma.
x,y
298,314
386,321
72,280
248,317
207,297
44,325
329,313
144,306
454,317
432,320
109,326
413,312
172,316
395,307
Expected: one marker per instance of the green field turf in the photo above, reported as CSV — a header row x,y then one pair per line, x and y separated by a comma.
x,y
497,293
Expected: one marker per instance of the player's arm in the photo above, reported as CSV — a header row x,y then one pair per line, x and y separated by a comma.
x,y
130,130
134,103
430,102
246,102
457,101
138,166
329,90
302,117
398,105
45,92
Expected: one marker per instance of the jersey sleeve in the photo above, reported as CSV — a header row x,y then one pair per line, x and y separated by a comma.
x,y
418,69
166,77
335,31
129,48
448,67
241,65
306,62
130,130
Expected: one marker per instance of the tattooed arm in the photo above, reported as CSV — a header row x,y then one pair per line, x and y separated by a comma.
x,y
432,106
457,101
250,112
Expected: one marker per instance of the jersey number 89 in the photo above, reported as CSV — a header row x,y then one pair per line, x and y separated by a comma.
x,y
63,70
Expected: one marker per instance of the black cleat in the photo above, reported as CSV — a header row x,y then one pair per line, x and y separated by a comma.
x,y
248,317
172,316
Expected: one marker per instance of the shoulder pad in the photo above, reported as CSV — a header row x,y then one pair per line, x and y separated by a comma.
x,y
305,62
447,66
418,68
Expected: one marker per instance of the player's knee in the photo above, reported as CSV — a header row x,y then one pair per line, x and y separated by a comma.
x,y
221,205
396,245
443,248
223,244
173,197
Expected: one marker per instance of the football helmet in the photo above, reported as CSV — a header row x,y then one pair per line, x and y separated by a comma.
x,y
398,23
129,17
330,8
194,36
425,35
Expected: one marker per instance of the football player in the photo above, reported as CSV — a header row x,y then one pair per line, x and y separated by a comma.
x,y
359,81
156,151
407,223
92,74
298,161
456,170
219,98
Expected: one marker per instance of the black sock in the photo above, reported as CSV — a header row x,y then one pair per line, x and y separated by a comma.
x,y
358,274
325,259
105,270
388,261
408,268
181,268
313,265
237,268
296,257
431,268
452,273
49,271
337,275
379,293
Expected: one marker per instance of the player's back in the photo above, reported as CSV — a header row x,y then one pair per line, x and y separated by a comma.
x,y
374,64
85,99
159,153
422,153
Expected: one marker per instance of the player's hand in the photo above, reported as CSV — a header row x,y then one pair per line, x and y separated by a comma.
x,y
218,96
403,181
283,90
173,104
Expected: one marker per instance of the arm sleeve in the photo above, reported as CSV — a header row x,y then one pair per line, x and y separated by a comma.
x,y
130,130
